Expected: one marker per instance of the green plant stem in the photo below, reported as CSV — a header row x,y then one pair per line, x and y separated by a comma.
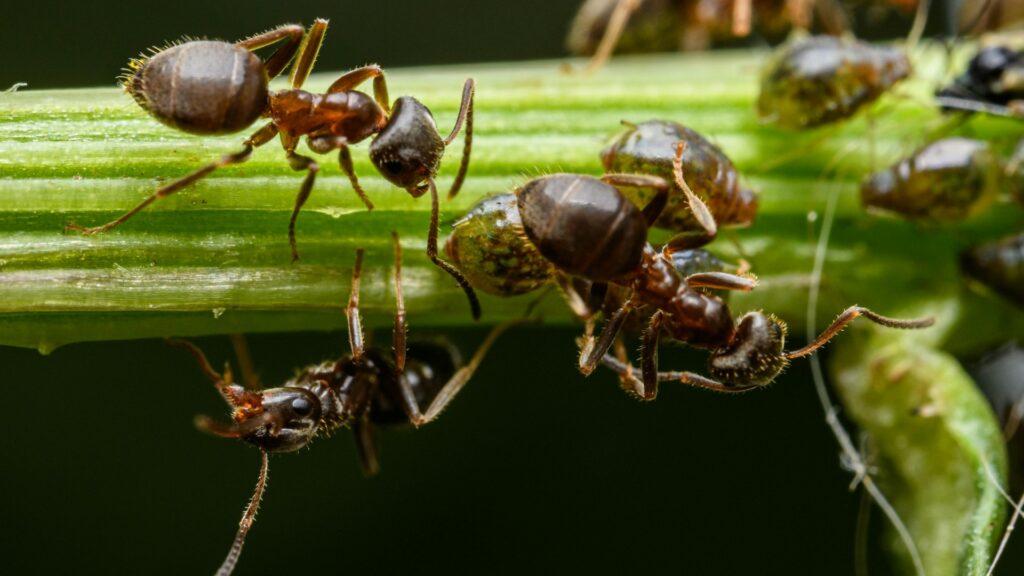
x,y
214,258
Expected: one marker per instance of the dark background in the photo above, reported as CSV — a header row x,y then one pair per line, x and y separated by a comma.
x,y
533,469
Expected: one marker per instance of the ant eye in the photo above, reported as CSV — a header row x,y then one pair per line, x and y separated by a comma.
x,y
393,167
302,406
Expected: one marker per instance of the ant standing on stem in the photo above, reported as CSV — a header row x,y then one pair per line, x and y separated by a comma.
x,y
361,389
213,87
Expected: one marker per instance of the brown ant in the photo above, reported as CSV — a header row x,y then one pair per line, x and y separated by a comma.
x,y
213,87
586,228
360,390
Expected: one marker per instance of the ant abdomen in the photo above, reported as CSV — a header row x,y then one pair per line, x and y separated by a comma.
x,y
488,246
201,87
755,356
947,180
649,148
583,226
409,148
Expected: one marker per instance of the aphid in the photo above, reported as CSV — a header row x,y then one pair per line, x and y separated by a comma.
x,y
947,180
998,265
213,87
993,83
819,80
587,229
360,390
646,148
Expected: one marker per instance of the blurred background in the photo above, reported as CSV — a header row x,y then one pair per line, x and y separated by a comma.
x,y
533,469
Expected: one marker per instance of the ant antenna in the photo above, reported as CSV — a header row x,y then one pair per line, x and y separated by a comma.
x,y
851,314
248,517
697,206
850,452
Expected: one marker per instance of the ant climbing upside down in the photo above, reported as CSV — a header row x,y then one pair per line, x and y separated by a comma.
x,y
360,390
588,230
213,87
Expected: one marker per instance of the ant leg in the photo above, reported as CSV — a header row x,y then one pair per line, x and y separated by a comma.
x,y
689,378
833,17
697,207
400,326
849,315
366,446
261,137
299,162
741,18
277,61
345,160
627,381
616,24
474,302
307,53
454,384
355,320
465,114
249,376
649,357
721,281
592,351
583,297
248,517
349,80
686,241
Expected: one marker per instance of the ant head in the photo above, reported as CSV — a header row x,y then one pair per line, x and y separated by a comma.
x,y
409,149
990,63
754,356
275,420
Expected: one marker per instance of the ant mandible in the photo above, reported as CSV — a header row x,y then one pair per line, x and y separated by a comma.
x,y
588,229
362,389
213,87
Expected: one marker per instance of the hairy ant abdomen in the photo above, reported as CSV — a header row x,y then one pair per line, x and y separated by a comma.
x,y
583,226
202,87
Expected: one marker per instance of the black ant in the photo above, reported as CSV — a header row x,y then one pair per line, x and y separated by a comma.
x,y
992,84
587,229
360,390
213,87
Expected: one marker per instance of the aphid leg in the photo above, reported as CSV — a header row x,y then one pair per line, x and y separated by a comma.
x,y
400,326
465,115
585,298
689,378
248,517
262,136
616,24
299,162
366,446
849,315
590,356
474,302
355,320
454,384
307,53
277,61
353,78
249,376
721,281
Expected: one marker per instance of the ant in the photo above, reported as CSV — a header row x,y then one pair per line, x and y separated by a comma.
x,y
588,230
214,87
992,84
360,390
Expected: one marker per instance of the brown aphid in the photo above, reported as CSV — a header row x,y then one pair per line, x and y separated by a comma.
x,y
819,80
213,87
588,230
998,265
945,181
647,148
361,390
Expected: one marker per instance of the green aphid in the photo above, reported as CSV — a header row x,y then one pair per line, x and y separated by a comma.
x,y
819,80
946,181
650,147
489,247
